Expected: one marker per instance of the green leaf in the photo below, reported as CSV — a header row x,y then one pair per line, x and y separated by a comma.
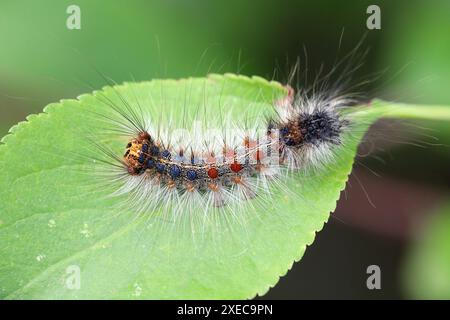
x,y
54,216
427,268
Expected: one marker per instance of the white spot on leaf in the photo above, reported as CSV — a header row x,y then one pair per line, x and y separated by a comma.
x,y
85,231
51,223
137,290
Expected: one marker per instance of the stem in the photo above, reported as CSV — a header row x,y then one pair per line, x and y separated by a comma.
x,y
411,111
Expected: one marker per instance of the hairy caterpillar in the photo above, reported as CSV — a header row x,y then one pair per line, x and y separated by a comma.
x,y
217,169
164,165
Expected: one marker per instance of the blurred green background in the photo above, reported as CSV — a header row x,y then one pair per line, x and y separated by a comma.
x,y
41,61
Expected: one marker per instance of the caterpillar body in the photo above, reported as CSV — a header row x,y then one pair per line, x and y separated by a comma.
x,y
300,136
